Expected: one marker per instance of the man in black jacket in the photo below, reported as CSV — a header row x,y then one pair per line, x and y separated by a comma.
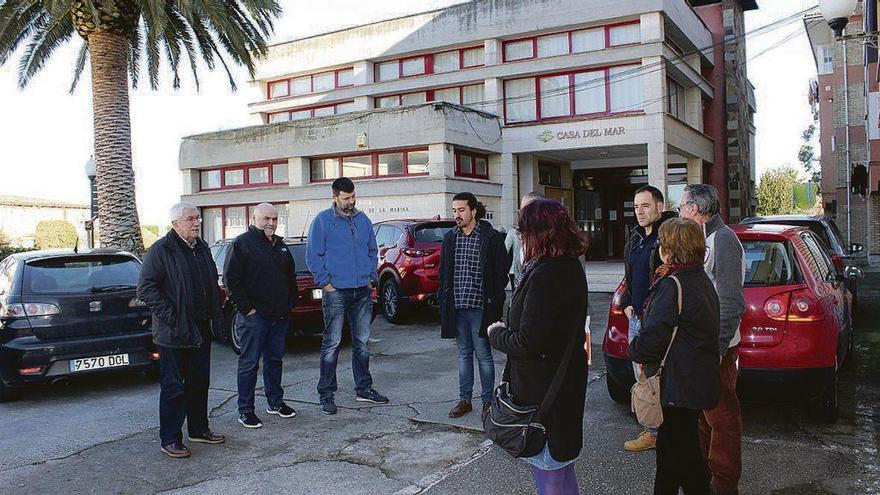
x,y
473,276
641,258
178,282
260,277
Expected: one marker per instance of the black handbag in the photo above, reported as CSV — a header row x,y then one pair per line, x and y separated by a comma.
x,y
519,430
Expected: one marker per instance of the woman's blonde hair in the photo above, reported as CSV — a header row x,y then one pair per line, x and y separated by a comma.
x,y
682,240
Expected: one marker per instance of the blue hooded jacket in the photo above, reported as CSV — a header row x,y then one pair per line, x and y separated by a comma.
x,y
342,250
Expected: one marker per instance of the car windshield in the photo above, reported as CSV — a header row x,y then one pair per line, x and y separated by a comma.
x,y
432,232
767,263
298,251
80,275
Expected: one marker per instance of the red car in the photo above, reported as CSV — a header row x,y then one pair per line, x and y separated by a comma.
x,y
409,263
307,316
796,331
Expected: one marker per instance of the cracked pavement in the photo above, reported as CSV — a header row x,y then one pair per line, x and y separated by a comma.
x,y
99,435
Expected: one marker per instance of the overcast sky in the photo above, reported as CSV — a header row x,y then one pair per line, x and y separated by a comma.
x,y
47,133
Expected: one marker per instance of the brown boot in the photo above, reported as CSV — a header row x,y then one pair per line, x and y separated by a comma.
x,y
177,450
485,412
646,441
463,407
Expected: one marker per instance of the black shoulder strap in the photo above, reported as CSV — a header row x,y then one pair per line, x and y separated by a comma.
x,y
550,396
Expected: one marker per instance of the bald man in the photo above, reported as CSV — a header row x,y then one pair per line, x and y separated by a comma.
x,y
260,277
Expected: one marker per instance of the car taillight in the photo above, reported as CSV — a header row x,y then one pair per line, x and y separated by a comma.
x,y
776,307
804,307
615,301
136,303
417,253
28,309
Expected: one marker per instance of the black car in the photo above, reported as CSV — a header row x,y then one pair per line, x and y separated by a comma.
x,y
64,314
827,231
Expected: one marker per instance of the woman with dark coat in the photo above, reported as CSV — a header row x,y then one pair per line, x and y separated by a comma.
x,y
689,382
548,312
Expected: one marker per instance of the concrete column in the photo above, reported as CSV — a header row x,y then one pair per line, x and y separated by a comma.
x,y
693,104
528,175
363,73
654,85
694,171
651,25
363,103
299,171
190,181
657,166
502,169
493,95
492,52
441,160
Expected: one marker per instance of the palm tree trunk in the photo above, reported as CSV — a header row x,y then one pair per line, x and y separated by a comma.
x,y
117,210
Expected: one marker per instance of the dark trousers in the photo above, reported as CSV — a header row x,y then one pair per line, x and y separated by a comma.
x,y
721,430
185,375
679,463
357,305
266,338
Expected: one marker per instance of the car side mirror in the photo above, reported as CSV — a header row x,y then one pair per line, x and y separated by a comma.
x,y
853,273
855,248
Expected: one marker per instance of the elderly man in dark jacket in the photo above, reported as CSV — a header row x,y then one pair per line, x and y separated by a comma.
x,y
178,282
473,276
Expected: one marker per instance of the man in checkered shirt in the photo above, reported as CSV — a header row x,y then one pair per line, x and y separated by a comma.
x,y
473,276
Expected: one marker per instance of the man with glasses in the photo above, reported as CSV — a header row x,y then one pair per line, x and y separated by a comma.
x,y
178,282
721,426
641,257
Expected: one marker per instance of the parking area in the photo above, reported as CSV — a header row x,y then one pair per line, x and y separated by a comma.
x,y
99,435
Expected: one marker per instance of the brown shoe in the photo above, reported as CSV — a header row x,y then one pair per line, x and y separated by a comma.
x,y
645,441
485,412
207,437
463,407
177,450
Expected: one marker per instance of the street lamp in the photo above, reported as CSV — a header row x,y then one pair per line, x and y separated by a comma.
x,y
91,173
836,13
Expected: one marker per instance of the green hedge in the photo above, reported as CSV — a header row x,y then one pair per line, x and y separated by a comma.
x,y
7,250
55,234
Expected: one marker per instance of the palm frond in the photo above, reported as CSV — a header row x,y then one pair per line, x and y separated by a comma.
x,y
134,54
52,32
80,64
18,20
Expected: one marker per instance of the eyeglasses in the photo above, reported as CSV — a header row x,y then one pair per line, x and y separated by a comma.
x,y
679,207
191,219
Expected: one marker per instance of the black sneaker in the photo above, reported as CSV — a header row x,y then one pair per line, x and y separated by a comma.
x,y
250,420
371,395
283,410
328,406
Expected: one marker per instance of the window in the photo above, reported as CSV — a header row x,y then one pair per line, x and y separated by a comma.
x,y
278,89
324,169
767,263
555,44
259,175
280,173
388,101
345,107
519,50
469,164
233,178
825,266
549,174
446,62
357,166
587,40
79,275
323,111
519,100
826,59
301,85
323,82
235,221
210,179
281,229
589,92
388,71
212,225
555,97
626,88
412,66
300,114
413,98
279,117
625,34
675,103
472,57
417,162
391,164
344,77
451,95
472,95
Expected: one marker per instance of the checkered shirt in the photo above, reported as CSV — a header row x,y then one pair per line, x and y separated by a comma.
x,y
468,281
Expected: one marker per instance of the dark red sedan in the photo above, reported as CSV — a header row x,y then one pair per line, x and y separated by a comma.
x,y
796,331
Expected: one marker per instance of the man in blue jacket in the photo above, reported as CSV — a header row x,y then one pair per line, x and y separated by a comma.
x,y
342,256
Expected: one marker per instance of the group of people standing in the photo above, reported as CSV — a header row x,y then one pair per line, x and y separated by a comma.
x,y
540,260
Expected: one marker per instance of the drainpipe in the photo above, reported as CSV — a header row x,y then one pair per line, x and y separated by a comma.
x,y
846,119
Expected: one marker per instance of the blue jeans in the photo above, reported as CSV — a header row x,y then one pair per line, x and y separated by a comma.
x,y
635,326
266,338
358,306
467,324
184,377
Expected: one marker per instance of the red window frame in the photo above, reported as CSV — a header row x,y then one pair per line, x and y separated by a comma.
x,y
310,109
374,160
429,63
607,29
429,94
473,156
247,212
311,77
571,93
245,168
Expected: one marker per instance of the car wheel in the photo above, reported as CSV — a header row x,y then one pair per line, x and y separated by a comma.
x,y
9,394
824,409
234,335
391,303
618,393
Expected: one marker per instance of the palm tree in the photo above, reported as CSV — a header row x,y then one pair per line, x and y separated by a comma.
x,y
117,36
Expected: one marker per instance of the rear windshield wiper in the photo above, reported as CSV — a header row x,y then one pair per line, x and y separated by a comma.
x,y
112,288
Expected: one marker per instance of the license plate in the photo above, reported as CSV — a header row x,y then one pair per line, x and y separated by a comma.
x,y
99,362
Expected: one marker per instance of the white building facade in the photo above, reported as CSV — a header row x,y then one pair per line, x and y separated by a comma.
x,y
582,100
